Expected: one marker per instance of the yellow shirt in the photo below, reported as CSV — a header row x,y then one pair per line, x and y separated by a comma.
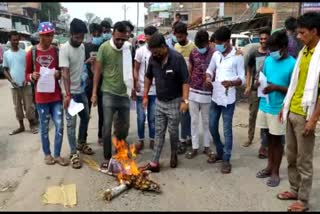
x,y
185,50
295,105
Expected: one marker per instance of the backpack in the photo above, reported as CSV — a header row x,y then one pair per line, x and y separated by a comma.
x,y
34,56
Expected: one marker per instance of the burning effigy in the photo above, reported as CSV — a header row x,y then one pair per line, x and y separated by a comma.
x,y
124,167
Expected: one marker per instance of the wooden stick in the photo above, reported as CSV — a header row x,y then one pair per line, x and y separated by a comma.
x,y
109,194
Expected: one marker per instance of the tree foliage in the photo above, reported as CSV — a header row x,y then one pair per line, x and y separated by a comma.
x,y
49,10
108,19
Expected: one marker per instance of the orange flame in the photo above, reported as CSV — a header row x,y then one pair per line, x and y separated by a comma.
x,y
125,156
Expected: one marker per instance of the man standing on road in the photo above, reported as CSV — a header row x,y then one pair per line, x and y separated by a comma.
x,y
71,61
114,62
199,95
45,58
170,71
255,65
294,45
91,50
226,70
301,110
277,68
14,63
184,47
140,68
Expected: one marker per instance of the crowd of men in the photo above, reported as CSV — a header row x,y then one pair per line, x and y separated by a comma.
x,y
173,82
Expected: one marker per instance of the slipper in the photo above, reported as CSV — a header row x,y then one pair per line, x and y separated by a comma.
x,y
298,206
104,166
273,182
213,158
263,174
287,195
182,148
61,161
207,151
17,131
75,161
192,154
49,160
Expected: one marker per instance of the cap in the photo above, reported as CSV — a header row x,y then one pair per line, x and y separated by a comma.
x,y
141,37
45,27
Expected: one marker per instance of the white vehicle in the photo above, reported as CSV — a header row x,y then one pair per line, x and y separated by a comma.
x,y
239,40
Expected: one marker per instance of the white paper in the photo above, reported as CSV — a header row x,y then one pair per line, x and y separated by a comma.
x,y
74,107
263,84
219,94
46,82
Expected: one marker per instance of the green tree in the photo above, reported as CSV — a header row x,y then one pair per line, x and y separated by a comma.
x,y
50,11
108,19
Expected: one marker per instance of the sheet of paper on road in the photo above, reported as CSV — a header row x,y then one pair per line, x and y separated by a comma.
x,y
263,83
64,194
46,82
74,107
219,94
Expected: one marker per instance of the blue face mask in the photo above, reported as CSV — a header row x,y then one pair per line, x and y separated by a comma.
x,y
107,36
174,38
202,50
220,48
97,40
275,55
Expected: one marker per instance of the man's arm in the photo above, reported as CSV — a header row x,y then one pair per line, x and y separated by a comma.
x,y
312,122
210,70
96,79
136,75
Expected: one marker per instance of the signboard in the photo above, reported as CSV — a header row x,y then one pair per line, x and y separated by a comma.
x,y
155,7
310,6
5,23
3,6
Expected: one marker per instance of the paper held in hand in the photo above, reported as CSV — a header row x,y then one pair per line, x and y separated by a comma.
x,y
46,81
263,84
74,107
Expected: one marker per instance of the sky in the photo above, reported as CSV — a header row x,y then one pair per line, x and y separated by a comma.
x,y
103,10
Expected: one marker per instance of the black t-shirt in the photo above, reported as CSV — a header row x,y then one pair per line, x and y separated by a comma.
x,y
256,62
169,77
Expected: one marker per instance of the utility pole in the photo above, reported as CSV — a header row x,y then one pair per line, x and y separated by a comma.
x,y
125,8
204,9
49,15
137,19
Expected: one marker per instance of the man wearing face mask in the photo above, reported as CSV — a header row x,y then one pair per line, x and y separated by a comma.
x,y
200,95
226,70
71,61
170,72
277,68
172,40
106,30
91,50
114,62
184,47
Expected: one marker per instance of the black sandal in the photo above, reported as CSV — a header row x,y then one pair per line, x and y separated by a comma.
x,y
213,158
192,154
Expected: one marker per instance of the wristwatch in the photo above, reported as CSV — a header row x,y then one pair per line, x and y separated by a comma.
x,y
186,101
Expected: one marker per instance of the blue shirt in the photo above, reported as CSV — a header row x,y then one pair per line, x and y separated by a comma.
x,y
278,72
16,63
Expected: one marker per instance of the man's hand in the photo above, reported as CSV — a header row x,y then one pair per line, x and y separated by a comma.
x,y
66,101
91,60
309,128
183,107
270,88
208,83
247,92
226,83
239,52
94,100
25,83
137,86
280,116
133,95
145,102
35,75
57,74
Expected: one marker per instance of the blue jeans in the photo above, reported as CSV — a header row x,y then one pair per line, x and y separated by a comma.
x,y
224,151
185,126
72,123
54,110
141,116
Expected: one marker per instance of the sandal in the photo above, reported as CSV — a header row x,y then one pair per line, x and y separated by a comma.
x,y
84,148
207,151
263,173
61,161
297,206
287,195
49,160
273,181
182,148
104,166
192,154
75,161
213,158
17,131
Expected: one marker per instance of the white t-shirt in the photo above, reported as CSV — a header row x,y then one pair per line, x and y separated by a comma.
x,y
230,67
73,58
142,56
